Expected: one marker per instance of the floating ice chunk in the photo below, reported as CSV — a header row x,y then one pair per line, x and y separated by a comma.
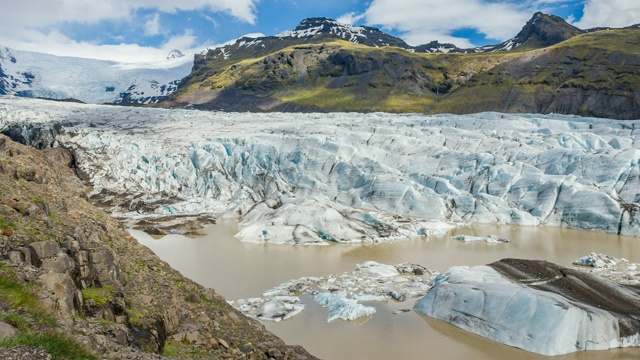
x,y
292,287
397,296
491,239
597,261
376,270
524,305
340,307
280,308
370,298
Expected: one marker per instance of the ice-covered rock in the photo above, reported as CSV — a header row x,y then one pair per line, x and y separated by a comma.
x,y
347,177
491,239
340,307
280,308
619,270
597,261
376,270
537,306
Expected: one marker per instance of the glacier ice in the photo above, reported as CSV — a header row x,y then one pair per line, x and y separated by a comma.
x,y
340,307
280,308
348,177
491,239
598,261
35,74
555,314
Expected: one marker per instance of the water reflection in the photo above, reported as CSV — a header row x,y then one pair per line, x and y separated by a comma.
x,y
238,270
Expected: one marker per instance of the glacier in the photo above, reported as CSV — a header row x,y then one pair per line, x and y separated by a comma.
x,y
309,179
32,74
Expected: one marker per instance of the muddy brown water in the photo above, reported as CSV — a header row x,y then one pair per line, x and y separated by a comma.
x,y
239,270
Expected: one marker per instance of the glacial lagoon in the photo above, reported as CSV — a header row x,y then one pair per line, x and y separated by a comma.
x,y
240,270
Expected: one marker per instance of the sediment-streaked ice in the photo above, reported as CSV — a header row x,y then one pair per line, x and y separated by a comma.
x,y
348,177
534,313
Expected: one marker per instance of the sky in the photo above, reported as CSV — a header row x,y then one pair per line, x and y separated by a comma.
x,y
135,31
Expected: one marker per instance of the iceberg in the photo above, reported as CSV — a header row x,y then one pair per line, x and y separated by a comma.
x,y
341,294
310,179
597,261
340,307
536,306
280,308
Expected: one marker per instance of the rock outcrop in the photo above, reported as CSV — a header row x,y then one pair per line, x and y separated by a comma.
x,y
98,284
537,306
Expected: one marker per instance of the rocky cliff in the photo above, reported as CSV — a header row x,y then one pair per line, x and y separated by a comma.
x,y
75,284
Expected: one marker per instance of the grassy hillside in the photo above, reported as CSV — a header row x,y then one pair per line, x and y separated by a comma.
x,y
593,74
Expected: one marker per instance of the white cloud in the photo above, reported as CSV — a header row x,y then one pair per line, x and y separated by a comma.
x,y
609,13
350,18
42,13
33,25
152,26
421,21
56,43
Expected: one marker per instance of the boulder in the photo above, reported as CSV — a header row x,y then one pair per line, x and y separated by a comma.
x,y
536,306
61,294
45,249
7,331
59,264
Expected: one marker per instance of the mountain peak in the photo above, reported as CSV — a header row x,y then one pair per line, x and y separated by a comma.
x,y
175,54
545,30
322,26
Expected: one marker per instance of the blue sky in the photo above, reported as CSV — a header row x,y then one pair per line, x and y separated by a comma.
x,y
146,30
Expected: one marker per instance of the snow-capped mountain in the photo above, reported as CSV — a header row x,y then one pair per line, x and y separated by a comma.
x,y
30,74
175,54
541,30
364,35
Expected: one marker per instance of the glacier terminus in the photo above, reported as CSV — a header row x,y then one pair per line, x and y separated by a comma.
x,y
347,177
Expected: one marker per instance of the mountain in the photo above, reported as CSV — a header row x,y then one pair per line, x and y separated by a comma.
x,y
549,66
31,74
541,31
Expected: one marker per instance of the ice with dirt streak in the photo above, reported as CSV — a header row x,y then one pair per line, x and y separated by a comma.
x,y
348,177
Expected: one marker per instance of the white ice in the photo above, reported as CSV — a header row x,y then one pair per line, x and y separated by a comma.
x,y
89,80
480,300
491,239
369,282
349,177
340,307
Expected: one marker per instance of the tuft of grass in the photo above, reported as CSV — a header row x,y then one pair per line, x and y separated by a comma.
x,y
99,295
180,350
17,294
136,315
5,224
60,346
15,320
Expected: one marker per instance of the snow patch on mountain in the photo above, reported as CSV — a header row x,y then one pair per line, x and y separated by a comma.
x,y
348,177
